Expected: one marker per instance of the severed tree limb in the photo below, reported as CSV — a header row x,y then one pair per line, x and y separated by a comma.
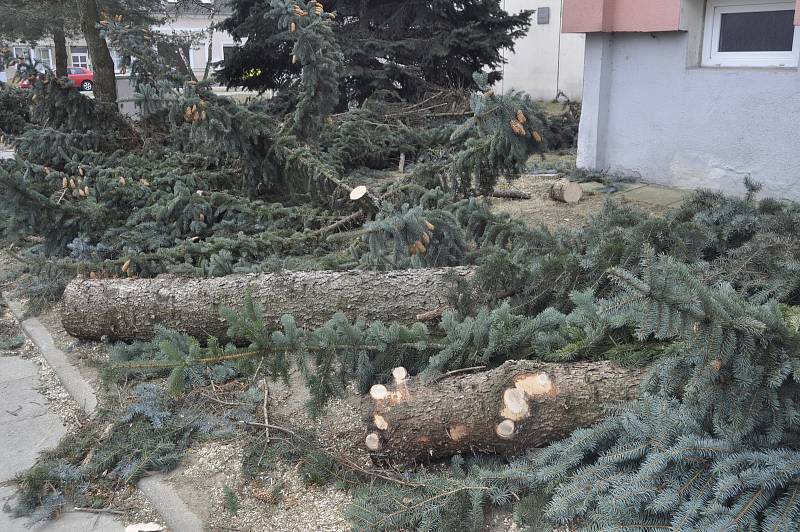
x,y
129,309
510,194
344,223
521,404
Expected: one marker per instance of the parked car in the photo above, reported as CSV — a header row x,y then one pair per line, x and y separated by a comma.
x,y
82,77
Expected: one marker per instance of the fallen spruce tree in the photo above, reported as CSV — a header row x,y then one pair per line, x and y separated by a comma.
x,y
129,309
521,404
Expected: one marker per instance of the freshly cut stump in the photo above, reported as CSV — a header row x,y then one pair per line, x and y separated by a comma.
x,y
566,191
521,404
129,309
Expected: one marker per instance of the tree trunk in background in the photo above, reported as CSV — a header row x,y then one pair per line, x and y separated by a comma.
x,y
520,405
105,83
60,49
129,309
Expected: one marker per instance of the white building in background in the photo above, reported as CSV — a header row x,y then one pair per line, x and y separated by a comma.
x,y
196,21
546,61
692,93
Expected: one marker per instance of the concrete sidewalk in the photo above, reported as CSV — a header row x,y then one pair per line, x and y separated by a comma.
x,y
26,429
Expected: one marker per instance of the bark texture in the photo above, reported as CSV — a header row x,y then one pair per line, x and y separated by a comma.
x,y
521,404
60,51
129,309
105,84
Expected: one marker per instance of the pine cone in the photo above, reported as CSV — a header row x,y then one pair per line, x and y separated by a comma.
x,y
121,181
64,183
517,128
521,118
293,27
126,266
536,136
429,225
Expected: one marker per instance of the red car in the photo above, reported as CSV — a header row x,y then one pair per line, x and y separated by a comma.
x,y
82,77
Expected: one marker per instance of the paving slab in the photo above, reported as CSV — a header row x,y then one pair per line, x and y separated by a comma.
x,y
657,195
26,427
67,372
68,522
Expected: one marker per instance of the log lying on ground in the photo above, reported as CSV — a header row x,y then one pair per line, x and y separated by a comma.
x,y
510,194
129,309
520,405
566,191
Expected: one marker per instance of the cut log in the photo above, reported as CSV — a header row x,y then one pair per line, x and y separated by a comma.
x,y
129,309
566,191
510,194
520,405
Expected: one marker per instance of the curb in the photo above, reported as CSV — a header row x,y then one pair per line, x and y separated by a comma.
x,y
77,387
173,510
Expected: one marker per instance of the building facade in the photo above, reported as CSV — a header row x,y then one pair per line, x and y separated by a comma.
x,y
691,93
546,61
196,22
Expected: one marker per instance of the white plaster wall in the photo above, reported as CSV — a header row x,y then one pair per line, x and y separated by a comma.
x,y
199,24
649,114
545,60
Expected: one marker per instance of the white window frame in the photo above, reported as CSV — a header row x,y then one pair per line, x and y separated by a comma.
x,y
26,52
38,51
714,11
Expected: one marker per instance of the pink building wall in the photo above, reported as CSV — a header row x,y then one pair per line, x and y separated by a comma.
x,y
588,16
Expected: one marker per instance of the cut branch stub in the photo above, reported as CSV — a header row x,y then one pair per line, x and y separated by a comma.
x,y
505,429
358,193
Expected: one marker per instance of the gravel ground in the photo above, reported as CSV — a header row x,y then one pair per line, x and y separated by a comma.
x,y
541,210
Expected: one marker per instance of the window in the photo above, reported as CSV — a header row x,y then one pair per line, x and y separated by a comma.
x,y
227,52
22,53
42,56
543,15
80,56
750,33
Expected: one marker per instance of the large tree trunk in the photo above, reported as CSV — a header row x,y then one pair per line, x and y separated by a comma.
x,y
105,83
60,49
129,309
521,404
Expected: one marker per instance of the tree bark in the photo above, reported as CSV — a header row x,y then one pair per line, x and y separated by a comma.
x,y
60,50
521,404
129,309
105,83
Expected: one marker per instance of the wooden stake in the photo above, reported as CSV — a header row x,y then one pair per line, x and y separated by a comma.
x,y
266,412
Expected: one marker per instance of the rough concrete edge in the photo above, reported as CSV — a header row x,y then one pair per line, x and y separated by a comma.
x,y
173,510
80,390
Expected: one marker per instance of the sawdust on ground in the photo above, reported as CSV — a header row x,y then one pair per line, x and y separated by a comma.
x,y
540,209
